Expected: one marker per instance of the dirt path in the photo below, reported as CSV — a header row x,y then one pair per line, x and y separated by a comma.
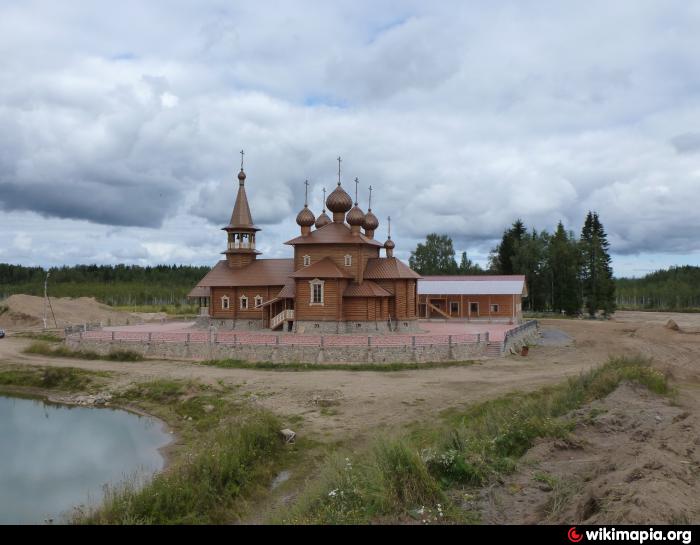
x,y
364,402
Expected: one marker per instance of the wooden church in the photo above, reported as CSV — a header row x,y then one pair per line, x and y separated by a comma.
x,y
337,281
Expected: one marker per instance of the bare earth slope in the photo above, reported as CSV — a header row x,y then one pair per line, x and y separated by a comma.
x,y
27,311
633,458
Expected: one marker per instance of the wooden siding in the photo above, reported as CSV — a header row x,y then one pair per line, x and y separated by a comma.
x,y
238,261
332,302
234,294
505,306
336,253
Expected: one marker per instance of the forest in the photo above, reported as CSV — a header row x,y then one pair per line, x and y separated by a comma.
x,y
116,285
676,289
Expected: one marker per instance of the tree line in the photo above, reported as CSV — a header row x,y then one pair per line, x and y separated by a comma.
x,y
677,288
110,284
564,273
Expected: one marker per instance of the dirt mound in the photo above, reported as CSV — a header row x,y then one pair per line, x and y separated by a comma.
x,y
633,458
672,325
27,311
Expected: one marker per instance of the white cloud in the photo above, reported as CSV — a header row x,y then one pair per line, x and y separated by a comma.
x,y
463,117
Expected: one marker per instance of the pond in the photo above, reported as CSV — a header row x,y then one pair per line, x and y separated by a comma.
x,y
55,457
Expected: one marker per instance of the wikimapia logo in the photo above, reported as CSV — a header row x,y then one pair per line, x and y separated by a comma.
x,y
636,536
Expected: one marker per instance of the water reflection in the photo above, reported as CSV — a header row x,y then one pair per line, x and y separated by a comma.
x,y
53,457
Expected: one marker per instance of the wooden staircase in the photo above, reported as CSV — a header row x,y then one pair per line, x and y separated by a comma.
x,y
438,310
281,319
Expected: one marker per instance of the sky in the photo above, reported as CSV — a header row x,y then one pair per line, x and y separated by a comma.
x,y
121,123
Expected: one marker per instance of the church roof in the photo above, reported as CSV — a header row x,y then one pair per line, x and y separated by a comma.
x,y
261,272
333,233
241,218
199,291
366,289
388,268
324,268
288,291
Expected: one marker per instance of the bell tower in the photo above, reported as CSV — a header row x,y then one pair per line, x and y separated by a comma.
x,y
240,249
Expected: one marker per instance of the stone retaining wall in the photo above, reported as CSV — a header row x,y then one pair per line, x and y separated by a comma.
x,y
287,354
519,337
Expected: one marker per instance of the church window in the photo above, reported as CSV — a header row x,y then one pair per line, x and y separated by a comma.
x,y
224,302
244,302
258,301
316,291
348,260
307,260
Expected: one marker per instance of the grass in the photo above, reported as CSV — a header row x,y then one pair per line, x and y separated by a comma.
x,y
45,336
229,451
51,378
63,351
173,310
379,367
411,476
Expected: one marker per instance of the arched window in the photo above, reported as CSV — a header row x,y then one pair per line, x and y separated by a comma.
x,y
244,302
348,260
225,302
307,260
258,301
316,291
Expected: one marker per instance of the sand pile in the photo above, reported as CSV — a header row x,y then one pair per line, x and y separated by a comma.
x,y
27,311
672,325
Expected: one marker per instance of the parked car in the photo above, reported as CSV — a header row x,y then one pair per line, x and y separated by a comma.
x,y
2,333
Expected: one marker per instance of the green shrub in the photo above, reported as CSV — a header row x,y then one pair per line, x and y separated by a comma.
x,y
64,352
205,486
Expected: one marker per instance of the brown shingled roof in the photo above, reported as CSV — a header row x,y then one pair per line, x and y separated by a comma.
x,y
288,291
241,217
261,272
334,233
386,268
325,268
366,289
199,291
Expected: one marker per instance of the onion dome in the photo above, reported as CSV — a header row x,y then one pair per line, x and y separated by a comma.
x,y
339,201
356,217
371,222
241,177
322,219
389,244
305,218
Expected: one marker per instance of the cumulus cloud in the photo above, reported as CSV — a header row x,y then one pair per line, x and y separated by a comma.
x,y
127,121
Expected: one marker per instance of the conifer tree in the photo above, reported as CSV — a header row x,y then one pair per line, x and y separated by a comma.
x,y
598,285
564,264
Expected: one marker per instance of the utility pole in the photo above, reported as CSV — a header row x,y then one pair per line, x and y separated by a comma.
x,y
47,300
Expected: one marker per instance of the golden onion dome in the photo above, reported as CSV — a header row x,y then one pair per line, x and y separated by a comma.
x,y
322,220
356,216
371,222
305,218
339,201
